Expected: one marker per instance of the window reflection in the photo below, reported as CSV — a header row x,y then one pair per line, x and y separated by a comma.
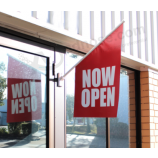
x,y
22,100
119,126
91,132
81,132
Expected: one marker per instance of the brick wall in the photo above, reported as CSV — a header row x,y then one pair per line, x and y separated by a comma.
x,y
149,109
132,115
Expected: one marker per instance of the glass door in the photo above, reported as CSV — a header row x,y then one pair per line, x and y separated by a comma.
x,y
23,99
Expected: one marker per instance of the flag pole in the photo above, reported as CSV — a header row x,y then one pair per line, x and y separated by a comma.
x,y
63,77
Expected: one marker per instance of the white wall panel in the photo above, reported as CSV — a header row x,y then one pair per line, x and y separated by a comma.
x,y
43,15
97,27
56,18
123,36
86,24
138,34
79,23
127,32
146,36
72,21
92,25
66,20
117,18
154,35
102,24
142,31
107,22
149,37
131,32
34,14
112,20
156,21
27,13
134,34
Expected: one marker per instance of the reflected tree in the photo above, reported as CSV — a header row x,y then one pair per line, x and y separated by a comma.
x,y
124,72
73,55
3,84
69,106
88,126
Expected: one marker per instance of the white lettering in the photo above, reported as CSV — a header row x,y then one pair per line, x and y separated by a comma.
x,y
25,89
102,97
17,90
34,103
32,88
27,103
15,106
85,101
110,96
109,77
21,105
96,79
94,96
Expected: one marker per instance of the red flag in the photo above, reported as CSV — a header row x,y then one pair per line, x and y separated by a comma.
x,y
24,92
97,79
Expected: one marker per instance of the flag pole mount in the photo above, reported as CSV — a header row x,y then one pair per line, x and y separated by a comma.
x,y
57,79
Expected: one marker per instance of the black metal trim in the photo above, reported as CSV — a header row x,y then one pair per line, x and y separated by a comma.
x,y
47,104
22,51
138,109
128,68
54,98
107,132
30,40
14,36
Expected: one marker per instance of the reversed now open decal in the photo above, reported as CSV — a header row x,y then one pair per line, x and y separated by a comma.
x,y
24,95
24,92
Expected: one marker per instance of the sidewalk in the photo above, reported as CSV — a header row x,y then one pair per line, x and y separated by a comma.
x,y
82,141
39,142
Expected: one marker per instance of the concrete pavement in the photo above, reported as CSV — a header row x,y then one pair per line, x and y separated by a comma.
x,y
39,141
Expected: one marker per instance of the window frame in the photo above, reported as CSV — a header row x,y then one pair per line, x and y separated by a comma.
x,y
10,36
137,107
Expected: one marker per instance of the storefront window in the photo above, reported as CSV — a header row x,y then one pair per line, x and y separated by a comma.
x,y
119,126
91,132
22,100
81,132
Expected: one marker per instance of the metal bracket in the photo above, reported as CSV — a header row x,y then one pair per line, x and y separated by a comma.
x,y
56,80
58,76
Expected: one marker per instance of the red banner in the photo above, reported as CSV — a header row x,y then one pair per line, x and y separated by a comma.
x,y
24,92
97,79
